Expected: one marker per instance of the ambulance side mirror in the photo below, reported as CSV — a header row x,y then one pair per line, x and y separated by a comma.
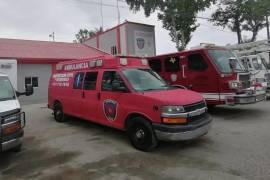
x,y
117,86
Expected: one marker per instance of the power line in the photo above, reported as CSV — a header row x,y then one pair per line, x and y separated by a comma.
x,y
99,3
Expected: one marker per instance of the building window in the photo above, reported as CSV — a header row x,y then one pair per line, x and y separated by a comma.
x,y
90,81
172,64
113,50
33,81
78,80
196,62
155,65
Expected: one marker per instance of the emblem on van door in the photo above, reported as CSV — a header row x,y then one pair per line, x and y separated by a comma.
x,y
140,43
110,109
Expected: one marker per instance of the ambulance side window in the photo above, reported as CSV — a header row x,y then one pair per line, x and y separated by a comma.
x,y
90,81
172,64
196,62
108,78
78,80
155,65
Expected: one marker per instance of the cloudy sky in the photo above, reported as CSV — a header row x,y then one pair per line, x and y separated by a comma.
x,y
36,19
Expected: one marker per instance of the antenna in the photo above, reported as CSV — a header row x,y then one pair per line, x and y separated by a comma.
x,y
101,13
118,11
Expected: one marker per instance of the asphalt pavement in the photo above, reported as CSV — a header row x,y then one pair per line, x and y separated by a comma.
x,y
237,147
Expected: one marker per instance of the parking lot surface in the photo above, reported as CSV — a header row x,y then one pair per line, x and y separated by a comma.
x,y
237,147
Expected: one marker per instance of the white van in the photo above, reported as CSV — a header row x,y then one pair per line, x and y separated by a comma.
x,y
12,119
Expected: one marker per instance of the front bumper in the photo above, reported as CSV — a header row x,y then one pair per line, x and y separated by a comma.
x,y
268,91
247,98
14,139
183,132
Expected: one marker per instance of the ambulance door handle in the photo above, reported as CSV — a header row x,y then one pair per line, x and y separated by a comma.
x,y
83,95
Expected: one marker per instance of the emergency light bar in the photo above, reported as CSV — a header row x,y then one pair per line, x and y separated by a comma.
x,y
92,64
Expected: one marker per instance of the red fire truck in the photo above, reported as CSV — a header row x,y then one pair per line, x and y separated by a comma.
x,y
213,71
124,93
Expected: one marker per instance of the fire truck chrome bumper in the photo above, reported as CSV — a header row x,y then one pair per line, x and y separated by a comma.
x,y
246,98
182,132
11,144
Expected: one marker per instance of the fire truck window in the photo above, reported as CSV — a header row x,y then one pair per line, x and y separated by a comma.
x,y
196,62
77,84
108,78
172,64
155,65
90,81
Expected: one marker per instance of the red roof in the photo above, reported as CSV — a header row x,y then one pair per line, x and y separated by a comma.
x,y
28,49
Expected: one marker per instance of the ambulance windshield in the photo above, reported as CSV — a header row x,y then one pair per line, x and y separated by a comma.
x,y
222,59
6,89
145,80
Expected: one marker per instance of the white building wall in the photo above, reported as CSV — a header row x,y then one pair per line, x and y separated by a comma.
x,y
144,33
123,40
108,40
43,72
91,42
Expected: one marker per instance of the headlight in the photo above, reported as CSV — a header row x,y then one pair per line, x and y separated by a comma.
x,y
171,110
235,85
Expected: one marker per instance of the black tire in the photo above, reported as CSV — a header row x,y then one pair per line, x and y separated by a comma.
x,y
58,113
141,135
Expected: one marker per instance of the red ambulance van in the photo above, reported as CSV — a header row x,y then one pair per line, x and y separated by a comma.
x,y
124,93
213,71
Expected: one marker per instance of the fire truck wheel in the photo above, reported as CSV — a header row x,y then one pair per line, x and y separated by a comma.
x,y
141,135
58,113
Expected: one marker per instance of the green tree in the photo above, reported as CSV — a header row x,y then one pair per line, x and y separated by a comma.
x,y
230,14
84,34
254,15
177,16
242,15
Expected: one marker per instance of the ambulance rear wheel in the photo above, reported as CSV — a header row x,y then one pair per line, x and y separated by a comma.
x,y
142,136
58,113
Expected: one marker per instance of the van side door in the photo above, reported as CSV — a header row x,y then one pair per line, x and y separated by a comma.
x,y
77,94
90,96
111,106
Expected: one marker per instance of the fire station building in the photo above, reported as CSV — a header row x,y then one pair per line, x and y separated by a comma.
x,y
127,39
35,60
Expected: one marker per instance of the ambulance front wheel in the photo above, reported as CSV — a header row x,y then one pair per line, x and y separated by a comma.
x,y
141,135
58,112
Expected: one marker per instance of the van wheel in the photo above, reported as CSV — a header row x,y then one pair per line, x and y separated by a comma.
x,y
58,113
141,135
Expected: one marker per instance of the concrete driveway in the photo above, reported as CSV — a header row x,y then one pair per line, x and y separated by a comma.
x,y
237,147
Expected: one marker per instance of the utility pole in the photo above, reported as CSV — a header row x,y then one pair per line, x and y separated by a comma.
x,y
267,27
118,11
101,12
52,36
